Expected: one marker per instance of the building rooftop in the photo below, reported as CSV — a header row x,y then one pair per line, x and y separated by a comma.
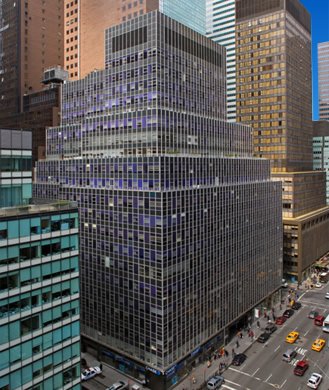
x,y
37,208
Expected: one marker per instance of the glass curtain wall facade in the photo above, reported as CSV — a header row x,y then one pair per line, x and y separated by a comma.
x,y
15,167
323,80
274,92
39,279
221,28
321,150
39,298
180,225
192,13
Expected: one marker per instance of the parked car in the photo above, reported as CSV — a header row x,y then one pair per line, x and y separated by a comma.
x,y
288,313
301,367
296,306
314,381
90,372
292,337
120,385
281,320
318,285
239,359
312,314
318,345
270,328
215,382
263,337
327,295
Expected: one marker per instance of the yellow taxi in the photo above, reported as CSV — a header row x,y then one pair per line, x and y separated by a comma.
x,y
292,337
318,345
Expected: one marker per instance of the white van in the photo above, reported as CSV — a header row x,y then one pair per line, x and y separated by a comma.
x,y
215,382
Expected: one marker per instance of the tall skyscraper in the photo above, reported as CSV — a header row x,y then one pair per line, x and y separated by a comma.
x,y
321,150
220,24
30,41
39,279
181,227
274,96
323,80
86,21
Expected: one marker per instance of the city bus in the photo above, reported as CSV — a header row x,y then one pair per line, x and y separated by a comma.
x,y
325,327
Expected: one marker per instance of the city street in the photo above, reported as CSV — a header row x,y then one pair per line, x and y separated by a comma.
x,y
264,367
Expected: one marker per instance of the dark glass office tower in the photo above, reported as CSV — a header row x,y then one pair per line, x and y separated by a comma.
x,y
274,96
180,225
323,80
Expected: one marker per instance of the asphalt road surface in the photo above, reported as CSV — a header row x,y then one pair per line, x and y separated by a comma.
x,y
264,368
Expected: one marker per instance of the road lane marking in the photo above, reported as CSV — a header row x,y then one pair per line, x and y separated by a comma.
x,y
232,383
277,348
284,382
256,371
228,387
268,378
301,296
305,334
316,304
275,385
301,350
235,384
244,373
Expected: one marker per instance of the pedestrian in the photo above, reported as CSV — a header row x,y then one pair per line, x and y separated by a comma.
x,y
226,353
274,317
237,344
280,306
233,352
241,335
101,366
258,324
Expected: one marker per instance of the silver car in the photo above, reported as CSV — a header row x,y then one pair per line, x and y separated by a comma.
x,y
120,385
215,382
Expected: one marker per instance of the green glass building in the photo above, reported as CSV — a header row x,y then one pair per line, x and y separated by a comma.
x,y
39,295
192,13
15,167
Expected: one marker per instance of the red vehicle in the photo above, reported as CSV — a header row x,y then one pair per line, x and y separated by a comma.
x,y
318,320
280,320
301,367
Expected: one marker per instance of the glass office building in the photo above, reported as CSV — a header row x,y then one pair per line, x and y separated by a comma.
x,y
191,13
15,167
323,80
39,281
220,24
274,96
180,225
321,150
